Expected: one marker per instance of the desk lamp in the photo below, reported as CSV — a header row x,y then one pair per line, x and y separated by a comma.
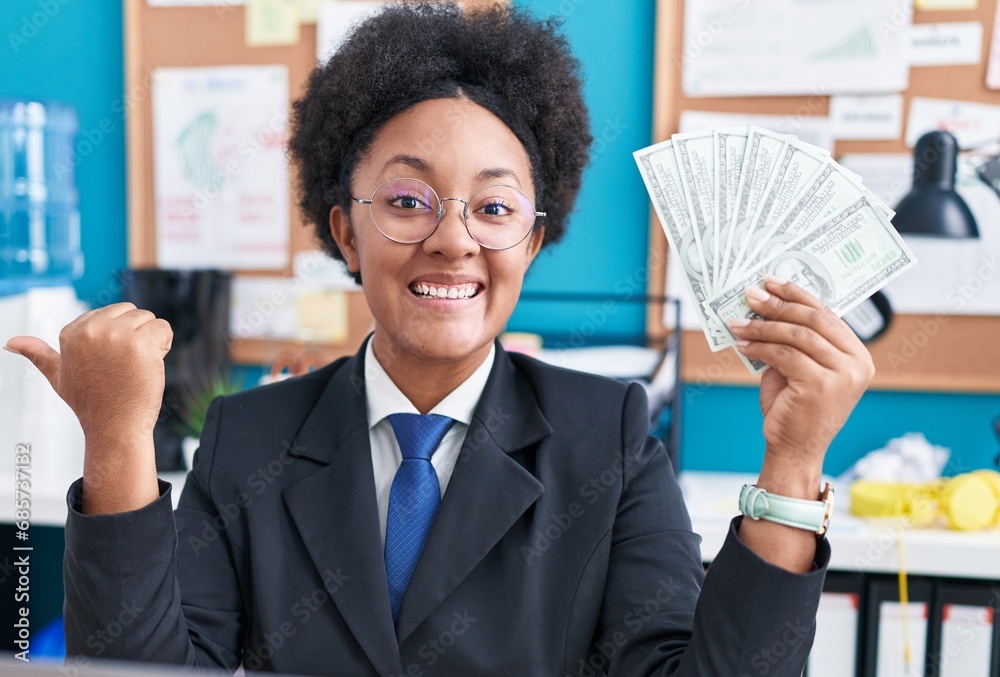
x,y
933,208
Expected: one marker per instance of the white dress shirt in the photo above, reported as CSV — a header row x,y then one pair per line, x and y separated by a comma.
x,y
382,398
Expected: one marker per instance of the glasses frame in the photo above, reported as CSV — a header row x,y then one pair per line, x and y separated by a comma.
x,y
441,211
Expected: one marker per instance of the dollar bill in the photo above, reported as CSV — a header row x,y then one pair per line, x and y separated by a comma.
x,y
730,144
831,189
658,167
841,261
696,161
796,167
763,149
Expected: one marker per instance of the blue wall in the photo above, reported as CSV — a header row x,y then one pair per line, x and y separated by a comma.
x,y
604,251
71,51
722,428
75,57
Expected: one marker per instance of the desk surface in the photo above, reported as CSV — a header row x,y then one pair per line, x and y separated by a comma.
x,y
866,546
859,545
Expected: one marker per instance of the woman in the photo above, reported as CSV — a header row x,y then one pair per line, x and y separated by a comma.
x,y
438,152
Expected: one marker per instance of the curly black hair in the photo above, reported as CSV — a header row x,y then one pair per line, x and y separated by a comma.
x,y
518,68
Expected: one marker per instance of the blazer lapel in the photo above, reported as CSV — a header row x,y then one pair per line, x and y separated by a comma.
x,y
506,419
336,512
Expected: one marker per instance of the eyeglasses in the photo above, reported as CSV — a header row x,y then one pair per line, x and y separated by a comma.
x,y
409,211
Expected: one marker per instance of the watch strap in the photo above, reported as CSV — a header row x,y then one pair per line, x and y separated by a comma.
x,y
756,503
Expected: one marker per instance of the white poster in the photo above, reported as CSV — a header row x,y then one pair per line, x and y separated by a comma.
x,y
742,48
221,177
973,124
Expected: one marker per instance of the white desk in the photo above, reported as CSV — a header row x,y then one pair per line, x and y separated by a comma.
x,y
863,546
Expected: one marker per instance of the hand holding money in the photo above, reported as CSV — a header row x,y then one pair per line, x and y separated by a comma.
x,y
820,370
740,203
776,241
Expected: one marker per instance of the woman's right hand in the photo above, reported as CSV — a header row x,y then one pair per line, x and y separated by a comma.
x,y
109,370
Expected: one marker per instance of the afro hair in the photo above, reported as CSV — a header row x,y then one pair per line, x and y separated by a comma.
x,y
518,68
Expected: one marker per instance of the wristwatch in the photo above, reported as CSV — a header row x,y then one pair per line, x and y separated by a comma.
x,y
758,504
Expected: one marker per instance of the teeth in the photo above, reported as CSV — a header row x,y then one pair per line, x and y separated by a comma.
x,y
462,291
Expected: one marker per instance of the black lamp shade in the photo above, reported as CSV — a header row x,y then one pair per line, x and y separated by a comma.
x,y
933,208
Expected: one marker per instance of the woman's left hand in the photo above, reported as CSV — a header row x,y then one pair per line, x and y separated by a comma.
x,y
819,370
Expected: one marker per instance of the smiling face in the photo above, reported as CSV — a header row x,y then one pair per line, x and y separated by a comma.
x,y
438,303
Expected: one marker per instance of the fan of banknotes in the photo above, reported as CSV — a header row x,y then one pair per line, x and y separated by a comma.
x,y
739,203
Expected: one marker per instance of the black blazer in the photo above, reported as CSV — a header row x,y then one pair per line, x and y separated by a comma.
x,y
561,547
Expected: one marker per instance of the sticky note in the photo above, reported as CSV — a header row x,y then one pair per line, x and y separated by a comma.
x,y
322,316
308,11
946,4
272,22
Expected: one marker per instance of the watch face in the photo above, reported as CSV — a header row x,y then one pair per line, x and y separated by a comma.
x,y
827,497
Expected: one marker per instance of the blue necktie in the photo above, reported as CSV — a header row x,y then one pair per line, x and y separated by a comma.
x,y
413,498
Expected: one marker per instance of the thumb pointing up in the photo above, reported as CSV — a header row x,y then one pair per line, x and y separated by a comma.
x,y
41,354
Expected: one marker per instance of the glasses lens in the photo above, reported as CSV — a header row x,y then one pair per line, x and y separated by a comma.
x,y
500,216
405,210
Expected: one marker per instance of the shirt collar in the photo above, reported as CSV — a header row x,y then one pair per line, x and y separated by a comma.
x,y
382,397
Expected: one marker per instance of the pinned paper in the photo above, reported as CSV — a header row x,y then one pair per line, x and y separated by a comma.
x,y
867,118
973,124
946,4
335,21
946,44
993,69
220,170
848,46
320,269
322,316
194,3
308,11
272,22
888,175
814,129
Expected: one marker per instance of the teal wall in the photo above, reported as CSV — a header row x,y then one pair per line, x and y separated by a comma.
x,y
75,57
71,51
722,428
604,251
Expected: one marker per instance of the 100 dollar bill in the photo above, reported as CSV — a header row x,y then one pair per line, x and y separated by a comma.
x,y
841,262
660,173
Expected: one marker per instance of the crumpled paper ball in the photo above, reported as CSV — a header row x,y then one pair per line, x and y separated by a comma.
x,y
910,458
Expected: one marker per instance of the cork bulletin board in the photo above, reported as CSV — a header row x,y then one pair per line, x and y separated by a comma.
x,y
158,37
958,352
